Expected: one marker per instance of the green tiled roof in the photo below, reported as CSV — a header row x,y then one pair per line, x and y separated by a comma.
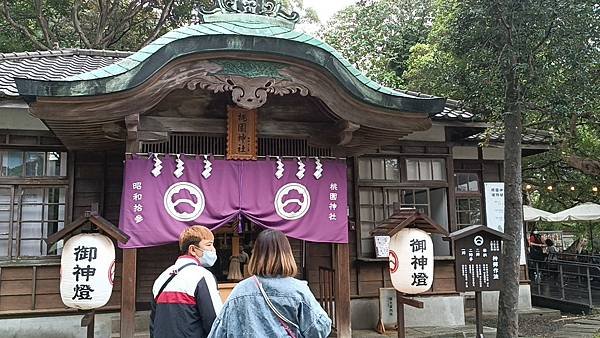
x,y
234,33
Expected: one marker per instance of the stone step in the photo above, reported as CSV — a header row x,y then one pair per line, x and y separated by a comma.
x,y
588,321
582,327
135,335
142,322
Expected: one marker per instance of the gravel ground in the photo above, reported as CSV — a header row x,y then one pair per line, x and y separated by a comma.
x,y
538,326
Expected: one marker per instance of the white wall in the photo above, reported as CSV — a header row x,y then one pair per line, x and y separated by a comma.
x,y
19,118
435,134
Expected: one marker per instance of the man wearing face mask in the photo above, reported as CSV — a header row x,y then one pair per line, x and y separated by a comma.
x,y
186,299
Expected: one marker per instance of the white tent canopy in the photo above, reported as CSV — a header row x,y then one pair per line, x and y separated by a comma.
x,y
584,212
531,214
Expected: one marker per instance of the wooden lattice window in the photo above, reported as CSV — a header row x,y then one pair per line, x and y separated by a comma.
x,y
468,199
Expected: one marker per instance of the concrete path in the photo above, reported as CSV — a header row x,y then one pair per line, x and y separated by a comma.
x,y
467,331
580,328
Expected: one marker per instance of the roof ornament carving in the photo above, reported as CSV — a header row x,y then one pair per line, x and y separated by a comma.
x,y
270,8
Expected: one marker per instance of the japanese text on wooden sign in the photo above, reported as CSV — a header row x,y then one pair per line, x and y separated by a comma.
x,y
241,134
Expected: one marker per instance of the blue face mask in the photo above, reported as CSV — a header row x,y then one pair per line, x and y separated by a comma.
x,y
208,258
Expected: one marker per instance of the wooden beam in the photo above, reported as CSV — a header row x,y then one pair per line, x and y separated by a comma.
x,y
128,291
219,126
342,290
410,301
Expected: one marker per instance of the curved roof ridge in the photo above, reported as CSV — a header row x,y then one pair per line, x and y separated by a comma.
x,y
239,37
255,27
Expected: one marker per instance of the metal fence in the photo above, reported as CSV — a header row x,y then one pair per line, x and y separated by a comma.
x,y
566,280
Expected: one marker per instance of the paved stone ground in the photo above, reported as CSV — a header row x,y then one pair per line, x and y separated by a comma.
x,y
580,328
467,331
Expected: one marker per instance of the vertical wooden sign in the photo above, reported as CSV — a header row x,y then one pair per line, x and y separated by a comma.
x,y
241,134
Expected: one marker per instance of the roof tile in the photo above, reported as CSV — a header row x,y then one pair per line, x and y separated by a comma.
x,y
52,65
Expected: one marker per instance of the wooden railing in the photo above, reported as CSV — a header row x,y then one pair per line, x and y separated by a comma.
x,y
327,292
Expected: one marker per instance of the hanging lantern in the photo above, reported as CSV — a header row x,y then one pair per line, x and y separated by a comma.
x,y
411,261
87,268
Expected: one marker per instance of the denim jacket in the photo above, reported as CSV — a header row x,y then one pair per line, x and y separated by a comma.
x,y
246,313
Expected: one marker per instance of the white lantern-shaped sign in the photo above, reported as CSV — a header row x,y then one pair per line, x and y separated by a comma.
x,y
411,261
87,267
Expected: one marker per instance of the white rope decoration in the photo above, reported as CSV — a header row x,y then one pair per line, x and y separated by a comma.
x,y
280,168
180,167
301,169
318,168
157,166
207,167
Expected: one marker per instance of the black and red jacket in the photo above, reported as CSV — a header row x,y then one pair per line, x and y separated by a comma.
x,y
188,304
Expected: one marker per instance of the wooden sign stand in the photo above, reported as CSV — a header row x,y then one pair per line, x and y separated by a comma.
x,y
478,315
400,302
88,321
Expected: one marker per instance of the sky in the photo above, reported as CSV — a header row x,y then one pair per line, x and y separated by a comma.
x,y
326,8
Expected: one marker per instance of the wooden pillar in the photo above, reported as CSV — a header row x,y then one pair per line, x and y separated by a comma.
x,y
400,316
342,290
128,292
129,274
478,315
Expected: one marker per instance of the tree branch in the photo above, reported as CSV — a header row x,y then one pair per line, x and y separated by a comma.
x,y
163,17
546,36
585,165
77,25
48,36
132,10
24,30
103,11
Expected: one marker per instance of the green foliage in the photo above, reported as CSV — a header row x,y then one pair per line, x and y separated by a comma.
x,y
377,36
555,51
112,24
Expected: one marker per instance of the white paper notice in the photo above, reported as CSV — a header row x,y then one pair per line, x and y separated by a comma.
x,y
494,210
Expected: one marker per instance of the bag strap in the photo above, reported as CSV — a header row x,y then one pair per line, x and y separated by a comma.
x,y
173,274
279,315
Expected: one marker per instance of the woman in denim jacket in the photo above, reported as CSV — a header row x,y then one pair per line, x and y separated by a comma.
x,y
271,303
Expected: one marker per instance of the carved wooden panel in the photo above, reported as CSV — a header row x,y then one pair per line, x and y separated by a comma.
x,y
242,134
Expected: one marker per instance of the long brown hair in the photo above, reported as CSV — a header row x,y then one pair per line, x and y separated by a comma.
x,y
272,256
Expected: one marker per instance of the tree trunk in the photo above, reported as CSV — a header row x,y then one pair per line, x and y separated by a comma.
x,y
508,302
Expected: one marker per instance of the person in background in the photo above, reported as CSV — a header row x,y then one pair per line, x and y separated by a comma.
x,y
271,303
186,299
552,252
536,246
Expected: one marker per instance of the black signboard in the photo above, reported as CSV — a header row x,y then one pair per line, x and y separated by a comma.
x,y
478,263
478,250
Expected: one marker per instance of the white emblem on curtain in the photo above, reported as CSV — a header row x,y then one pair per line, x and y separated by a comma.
x,y
294,194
